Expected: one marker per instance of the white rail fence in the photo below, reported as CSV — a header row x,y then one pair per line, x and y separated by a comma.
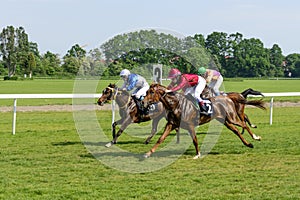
x,y
81,96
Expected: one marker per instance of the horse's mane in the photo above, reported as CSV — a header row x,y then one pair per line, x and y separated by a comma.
x,y
158,86
115,87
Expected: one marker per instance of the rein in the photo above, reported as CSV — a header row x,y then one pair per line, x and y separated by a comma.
x,y
115,93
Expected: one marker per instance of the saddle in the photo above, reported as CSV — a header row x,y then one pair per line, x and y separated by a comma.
x,y
206,108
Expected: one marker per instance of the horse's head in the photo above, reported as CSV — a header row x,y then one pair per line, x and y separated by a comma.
x,y
107,94
207,92
154,93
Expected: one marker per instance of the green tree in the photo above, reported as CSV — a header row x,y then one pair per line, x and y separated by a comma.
x,y
292,65
30,64
50,65
14,48
251,59
276,61
9,49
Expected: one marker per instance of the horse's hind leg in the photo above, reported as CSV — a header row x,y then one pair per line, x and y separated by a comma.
x,y
255,137
232,127
195,141
248,121
177,135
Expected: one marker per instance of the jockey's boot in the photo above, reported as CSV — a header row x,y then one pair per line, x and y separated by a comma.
x,y
140,106
203,108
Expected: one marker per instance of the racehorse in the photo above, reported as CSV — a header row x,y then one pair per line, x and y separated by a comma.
x,y
182,113
129,112
208,93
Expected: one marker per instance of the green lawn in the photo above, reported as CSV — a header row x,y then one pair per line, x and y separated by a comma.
x,y
46,160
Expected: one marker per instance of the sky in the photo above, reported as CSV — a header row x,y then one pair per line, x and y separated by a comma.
x,y
57,25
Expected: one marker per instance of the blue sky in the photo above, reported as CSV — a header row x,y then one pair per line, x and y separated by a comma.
x,y
56,25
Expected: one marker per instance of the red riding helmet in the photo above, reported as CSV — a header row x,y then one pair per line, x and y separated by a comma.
x,y
174,73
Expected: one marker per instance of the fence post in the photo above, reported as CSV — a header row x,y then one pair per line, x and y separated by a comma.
x,y
271,110
14,117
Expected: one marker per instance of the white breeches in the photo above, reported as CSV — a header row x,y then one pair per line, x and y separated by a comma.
x,y
215,85
138,92
197,89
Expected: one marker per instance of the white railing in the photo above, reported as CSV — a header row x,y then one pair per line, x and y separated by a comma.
x,y
41,96
79,96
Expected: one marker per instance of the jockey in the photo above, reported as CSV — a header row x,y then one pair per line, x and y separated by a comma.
x,y
136,81
189,83
213,78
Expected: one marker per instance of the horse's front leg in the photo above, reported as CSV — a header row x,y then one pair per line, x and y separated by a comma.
x,y
153,130
124,125
113,126
168,128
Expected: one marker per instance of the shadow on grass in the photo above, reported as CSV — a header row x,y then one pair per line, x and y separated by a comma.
x,y
65,143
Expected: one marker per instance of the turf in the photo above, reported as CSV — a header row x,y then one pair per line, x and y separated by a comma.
x,y
47,160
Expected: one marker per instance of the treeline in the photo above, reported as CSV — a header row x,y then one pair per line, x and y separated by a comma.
x,y
231,54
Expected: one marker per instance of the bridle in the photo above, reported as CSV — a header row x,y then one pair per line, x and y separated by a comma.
x,y
115,92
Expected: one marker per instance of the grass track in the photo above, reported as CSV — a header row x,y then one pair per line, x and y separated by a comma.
x,y
46,160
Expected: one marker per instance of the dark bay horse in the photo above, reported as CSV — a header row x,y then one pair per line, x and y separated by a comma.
x,y
182,113
129,112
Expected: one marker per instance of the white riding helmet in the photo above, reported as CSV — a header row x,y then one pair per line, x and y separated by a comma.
x,y
125,72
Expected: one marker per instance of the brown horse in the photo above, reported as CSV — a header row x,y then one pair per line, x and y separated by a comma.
x,y
208,93
182,113
129,112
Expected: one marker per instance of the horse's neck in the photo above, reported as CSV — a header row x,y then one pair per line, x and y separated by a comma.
x,y
122,100
170,101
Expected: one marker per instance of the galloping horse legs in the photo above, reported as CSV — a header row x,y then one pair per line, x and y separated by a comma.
x,y
154,129
193,135
120,121
255,137
125,123
168,128
232,127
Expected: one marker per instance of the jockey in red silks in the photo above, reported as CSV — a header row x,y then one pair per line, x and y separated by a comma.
x,y
189,84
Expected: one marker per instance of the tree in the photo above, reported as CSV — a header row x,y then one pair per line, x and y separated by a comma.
x,y
292,65
276,60
14,47
9,49
30,64
73,60
50,65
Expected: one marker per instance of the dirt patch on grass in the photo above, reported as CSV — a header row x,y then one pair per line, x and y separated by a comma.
x,y
70,108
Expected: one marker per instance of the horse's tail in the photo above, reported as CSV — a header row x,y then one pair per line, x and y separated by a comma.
x,y
257,103
251,92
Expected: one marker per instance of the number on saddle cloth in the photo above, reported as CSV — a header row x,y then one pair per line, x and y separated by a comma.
x,y
208,104
153,107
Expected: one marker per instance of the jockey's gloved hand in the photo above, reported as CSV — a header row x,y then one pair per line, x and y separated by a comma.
x,y
168,91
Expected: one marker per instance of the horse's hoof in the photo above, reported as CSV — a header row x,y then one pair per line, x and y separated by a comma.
x,y
253,126
109,144
197,156
255,137
146,142
147,155
250,145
